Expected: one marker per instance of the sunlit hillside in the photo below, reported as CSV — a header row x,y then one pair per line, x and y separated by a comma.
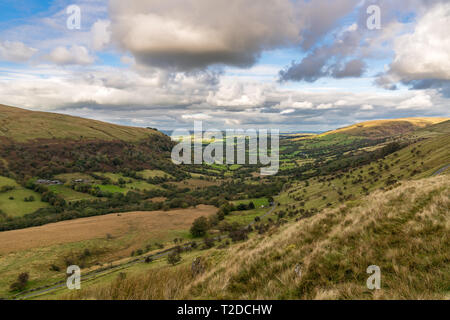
x,y
22,125
377,129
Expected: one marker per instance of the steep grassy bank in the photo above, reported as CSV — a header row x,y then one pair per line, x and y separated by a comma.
x,y
404,231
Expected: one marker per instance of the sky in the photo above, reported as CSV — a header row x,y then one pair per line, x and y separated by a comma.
x,y
293,65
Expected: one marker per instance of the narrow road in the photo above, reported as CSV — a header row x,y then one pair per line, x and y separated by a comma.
x,y
98,273
441,170
89,276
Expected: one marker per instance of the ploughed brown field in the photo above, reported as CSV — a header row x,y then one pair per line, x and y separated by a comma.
x,y
97,227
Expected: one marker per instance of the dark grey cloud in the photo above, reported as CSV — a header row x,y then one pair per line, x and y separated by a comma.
x,y
345,55
194,34
309,69
442,86
328,60
321,16
353,68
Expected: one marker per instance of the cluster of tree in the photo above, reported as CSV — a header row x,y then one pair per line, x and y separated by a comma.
x,y
29,199
199,227
174,257
233,190
6,188
116,202
202,225
47,195
342,162
325,147
48,158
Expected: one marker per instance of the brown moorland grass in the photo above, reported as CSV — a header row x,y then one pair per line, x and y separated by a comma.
x,y
404,231
376,129
386,128
24,125
97,227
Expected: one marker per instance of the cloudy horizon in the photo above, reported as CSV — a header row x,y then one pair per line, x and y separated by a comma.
x,y
295,65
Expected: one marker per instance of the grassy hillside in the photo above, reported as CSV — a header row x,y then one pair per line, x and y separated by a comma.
x,y
432,131
358,141
386,128
404,231
23,125
418,160
42,145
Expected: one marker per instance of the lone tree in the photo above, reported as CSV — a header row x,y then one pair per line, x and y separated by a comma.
x,y
199,227
21,282
174,257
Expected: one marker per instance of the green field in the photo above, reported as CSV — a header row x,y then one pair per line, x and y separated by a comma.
x,y
141,186
146,174
130,184
247,216
12,202
114,177
69,194
110,188
258,202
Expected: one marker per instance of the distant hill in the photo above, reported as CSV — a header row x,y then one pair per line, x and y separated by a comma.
x,y
23,125
377,129
432,131
43,144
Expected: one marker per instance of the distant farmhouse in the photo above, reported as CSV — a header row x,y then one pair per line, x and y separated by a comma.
x,y
80,181
48,182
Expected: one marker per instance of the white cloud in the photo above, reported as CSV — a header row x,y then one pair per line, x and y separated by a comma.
x,y
287,111
197,116
352,27
73,55
340,103
420,101
367,107
236,94
290,104
122,96
325,106
425,54
15,51
101,35
302,105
